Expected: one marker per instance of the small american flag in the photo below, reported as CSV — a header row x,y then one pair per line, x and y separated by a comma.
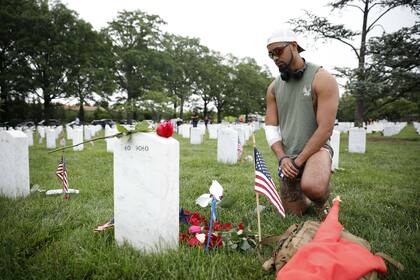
x,y
264,183
240,150
62,174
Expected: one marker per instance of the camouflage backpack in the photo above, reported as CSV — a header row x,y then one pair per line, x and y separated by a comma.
x,y
296,236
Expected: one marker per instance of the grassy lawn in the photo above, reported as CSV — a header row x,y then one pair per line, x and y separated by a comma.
x,y
51,238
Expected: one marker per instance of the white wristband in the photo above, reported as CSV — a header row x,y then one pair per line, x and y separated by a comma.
x,y
272,134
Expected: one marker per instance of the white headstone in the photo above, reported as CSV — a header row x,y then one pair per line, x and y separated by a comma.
x,y
30,135
87,132
146,192
357,140
196,135
241,134
212,131
41,131
110,142
69,131
185,130
202,128
335,144
58,131
51,137
78,138
14,164
227,146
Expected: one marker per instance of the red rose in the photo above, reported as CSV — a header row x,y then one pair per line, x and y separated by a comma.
x,y
215,240
194,242
217,226
204,221
241,226
227,226
195,219
165,129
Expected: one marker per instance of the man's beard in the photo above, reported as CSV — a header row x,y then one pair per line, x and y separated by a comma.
x,y
285,68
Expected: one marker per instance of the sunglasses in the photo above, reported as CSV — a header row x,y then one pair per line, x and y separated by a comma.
x,y
277,51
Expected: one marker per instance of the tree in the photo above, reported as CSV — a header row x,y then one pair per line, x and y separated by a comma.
x,y
155,102
48,51
250,87
136,40
394,73
323,29
15,72
91,67
205,83
223,88
181,57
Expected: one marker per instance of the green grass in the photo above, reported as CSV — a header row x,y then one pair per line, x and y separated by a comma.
x,y
51,238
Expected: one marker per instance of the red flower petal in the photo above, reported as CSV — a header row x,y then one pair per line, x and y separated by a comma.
x,y
194,219
227,226
194,242
217,226
165,129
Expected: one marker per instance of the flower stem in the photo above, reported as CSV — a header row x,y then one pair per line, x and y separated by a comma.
x,y
84,142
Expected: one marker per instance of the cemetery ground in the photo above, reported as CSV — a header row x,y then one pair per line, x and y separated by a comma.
x,y
52,238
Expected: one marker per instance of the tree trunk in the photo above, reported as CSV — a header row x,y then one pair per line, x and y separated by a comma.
x,y
205,108
81,110
359,110
47,106
219,115
4,103
174,108
181,109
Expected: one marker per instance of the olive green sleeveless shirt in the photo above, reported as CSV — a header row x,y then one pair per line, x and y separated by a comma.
x,y
295,110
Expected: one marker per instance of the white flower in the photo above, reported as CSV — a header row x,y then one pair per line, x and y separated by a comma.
x,y
201,237
203,200
216,191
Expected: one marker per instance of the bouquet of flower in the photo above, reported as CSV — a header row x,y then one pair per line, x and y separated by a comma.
x,y
195,228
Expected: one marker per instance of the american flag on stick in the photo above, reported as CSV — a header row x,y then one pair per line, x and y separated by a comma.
x,y
264,183
62,174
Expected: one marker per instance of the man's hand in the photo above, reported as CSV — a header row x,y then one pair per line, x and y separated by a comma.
x,y
287,168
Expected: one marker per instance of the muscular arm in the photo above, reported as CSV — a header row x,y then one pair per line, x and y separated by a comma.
x,y
326,89
271,118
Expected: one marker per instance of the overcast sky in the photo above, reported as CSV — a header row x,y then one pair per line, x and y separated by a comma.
x,y
242,27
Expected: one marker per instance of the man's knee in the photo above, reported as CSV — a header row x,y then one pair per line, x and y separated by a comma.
x,y
315,190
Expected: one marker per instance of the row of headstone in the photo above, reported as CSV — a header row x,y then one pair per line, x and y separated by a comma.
x,y
51,134
90,131
392,129
387,128
140,190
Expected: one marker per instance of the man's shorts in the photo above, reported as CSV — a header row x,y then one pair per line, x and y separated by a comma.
x,y
290,189
327,148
